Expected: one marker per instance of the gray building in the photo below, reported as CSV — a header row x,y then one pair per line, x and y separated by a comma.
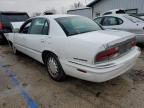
x,y
131,6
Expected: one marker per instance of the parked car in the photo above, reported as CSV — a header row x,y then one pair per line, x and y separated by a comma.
x,y
76,46
8,21
115,11
123,22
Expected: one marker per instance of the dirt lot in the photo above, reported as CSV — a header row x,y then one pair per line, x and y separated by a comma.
x,y
24,84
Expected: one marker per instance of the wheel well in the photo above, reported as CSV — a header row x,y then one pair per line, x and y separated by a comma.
x,y
45,53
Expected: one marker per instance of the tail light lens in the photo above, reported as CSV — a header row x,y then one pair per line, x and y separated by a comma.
x,y
116,50
105,55
1,26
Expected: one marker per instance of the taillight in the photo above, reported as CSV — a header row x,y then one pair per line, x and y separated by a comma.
x,y
133,42
1,26
108,54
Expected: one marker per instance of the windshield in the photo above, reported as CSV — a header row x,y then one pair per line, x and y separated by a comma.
x,y
77,25
14,17
134,18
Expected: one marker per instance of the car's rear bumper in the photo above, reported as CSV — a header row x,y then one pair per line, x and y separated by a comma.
x,y
102,72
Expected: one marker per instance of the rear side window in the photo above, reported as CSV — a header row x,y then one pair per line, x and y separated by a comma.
x,y
39,26
120,21
98,20
110,21
14,17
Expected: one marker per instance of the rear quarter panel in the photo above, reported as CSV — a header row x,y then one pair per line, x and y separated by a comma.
x,y
69,48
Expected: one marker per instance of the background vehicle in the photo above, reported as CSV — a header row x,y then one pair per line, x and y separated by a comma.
x,y
9,20
87,12
115,11
76,46
123,22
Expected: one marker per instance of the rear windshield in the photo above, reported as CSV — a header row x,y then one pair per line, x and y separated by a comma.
x,y
134,18
14,17
137,17
77,25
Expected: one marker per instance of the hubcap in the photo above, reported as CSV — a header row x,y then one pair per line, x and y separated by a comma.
x,y
52,67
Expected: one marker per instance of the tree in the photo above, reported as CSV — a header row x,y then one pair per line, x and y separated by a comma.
x,y
50,11
63,10
77,5
36,14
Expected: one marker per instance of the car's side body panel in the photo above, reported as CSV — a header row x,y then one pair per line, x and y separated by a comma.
x,y
78,51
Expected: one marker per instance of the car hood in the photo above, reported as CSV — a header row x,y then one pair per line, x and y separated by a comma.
x,y
105,36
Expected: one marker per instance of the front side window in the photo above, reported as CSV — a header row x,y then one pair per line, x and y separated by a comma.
x,y
98,20
25,27
37,26
77,25
45,29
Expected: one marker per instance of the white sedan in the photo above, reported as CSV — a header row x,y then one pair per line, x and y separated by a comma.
x,y
76,46
123,22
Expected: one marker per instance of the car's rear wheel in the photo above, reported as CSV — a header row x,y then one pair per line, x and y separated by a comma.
x,y
54,68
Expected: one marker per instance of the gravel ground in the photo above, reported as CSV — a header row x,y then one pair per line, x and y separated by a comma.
x,y
126,91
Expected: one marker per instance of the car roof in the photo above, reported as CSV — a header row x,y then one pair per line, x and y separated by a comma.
x,y
12,12
115,15
112,15
56,16
114,11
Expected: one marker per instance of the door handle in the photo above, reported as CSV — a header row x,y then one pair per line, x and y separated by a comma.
x,y
42,41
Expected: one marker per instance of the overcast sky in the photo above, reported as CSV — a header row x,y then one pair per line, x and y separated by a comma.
x,y
36,5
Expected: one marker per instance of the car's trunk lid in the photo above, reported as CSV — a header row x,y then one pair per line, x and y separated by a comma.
x,y
109,39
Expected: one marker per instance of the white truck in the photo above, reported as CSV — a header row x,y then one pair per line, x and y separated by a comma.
x,y
87,12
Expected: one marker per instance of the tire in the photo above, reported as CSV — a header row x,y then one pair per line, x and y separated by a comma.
x,y
15,51
54,68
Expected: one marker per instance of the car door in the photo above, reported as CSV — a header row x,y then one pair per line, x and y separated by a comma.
x,y
35,41
110,22
19,39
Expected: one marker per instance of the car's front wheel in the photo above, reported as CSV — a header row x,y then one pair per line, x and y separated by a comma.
x,y
54,68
